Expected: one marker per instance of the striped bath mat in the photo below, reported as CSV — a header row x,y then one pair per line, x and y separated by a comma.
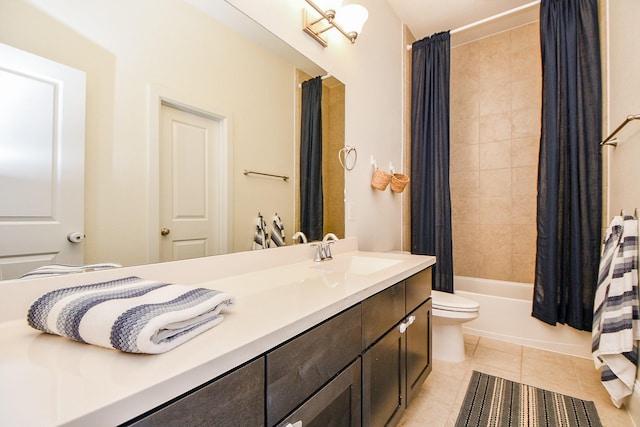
x,y
493,401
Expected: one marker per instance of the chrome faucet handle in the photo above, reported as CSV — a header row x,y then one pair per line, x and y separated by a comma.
x,y
327,250
319,252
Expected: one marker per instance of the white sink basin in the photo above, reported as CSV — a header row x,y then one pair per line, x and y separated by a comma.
x,y
358,265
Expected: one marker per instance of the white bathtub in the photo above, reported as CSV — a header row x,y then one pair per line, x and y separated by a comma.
x,y
505,315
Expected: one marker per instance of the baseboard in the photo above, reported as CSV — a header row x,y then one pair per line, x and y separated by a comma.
x,y
633,407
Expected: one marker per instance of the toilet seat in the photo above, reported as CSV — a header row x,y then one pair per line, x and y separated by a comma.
x,y
446,301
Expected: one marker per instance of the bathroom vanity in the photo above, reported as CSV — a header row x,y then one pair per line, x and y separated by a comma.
x,y
346,339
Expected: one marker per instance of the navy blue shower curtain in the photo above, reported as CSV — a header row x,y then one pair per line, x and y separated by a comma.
x,y
311,206
569,171
430,194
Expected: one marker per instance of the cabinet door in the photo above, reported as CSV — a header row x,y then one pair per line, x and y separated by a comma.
x,y
301,366
337,404
418,348
381,312
384,380
236,399
418,288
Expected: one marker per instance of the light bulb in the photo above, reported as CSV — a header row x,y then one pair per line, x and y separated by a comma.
x,y
352,18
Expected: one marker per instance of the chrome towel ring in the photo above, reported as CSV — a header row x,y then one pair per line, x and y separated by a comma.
x,y
344,156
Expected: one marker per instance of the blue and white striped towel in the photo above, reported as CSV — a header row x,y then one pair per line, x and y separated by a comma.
x,y
260,236
277,231
616,325
130,314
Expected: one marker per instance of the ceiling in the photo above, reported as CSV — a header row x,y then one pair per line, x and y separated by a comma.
x,y
427,17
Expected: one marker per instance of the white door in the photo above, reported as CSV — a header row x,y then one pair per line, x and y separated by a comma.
x,y
42,116
190,185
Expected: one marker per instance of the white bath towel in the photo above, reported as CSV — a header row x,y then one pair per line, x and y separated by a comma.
x,y
130,314
277,231
616,324
260,236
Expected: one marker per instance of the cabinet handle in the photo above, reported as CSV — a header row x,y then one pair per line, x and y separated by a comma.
x,y
402,327
410,320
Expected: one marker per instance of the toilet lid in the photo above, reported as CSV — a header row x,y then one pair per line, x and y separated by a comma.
x,y
452,302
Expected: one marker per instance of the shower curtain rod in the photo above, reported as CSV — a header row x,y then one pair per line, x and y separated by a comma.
x,y
321,78
491,18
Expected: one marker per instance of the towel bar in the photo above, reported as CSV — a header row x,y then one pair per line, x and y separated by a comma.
x,y
610,139
283,177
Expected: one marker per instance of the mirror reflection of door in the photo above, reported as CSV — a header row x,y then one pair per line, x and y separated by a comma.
x,y
190,185
42,122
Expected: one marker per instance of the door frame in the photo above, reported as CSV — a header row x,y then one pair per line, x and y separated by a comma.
x,y
159,95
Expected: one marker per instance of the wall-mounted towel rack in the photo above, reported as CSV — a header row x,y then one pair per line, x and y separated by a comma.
x,y
610,140
282,177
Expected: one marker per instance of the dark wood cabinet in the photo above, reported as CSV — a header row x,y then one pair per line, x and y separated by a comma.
x,y
298,368
337,404
384,380
397,364
361,367
418,349
236,399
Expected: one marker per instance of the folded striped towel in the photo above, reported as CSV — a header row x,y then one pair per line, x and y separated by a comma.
x,y
277,231
57,269
130,314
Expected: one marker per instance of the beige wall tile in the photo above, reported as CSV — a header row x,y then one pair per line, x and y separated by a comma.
x,y
524,181
526,94
465,184
495,239
523,268
523,239
495,155
525,123
465,157
524,151
496,267
495,127
495,183
495,133
467,263
465,210
524,210
495,210
465,131
496,99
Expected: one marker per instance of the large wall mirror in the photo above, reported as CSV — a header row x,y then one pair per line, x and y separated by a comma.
x,y
203,58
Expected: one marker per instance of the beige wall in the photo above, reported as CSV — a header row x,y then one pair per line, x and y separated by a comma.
x,y
125,46
495,133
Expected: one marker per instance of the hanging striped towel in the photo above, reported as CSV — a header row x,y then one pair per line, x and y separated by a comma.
x,y
260,237
57,269
616,326
130,314
277,231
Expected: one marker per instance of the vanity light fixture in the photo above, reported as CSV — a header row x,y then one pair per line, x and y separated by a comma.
x,y
349,19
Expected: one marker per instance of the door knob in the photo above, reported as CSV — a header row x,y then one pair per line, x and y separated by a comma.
x,y
75,237
165,231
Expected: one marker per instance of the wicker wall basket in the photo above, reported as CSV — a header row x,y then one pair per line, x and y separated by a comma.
x,y
380,179
398,182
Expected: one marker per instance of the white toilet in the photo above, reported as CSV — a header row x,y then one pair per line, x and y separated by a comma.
x,y
450,311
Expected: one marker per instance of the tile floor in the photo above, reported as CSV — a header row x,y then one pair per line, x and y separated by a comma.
x,y
443,392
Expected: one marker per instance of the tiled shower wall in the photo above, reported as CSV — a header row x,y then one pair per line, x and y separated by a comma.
x,y
495,134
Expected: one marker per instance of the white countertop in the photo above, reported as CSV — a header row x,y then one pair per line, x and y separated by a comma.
x,y
48,380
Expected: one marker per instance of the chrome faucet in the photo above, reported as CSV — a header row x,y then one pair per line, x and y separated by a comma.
x,y
323,249
301,235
